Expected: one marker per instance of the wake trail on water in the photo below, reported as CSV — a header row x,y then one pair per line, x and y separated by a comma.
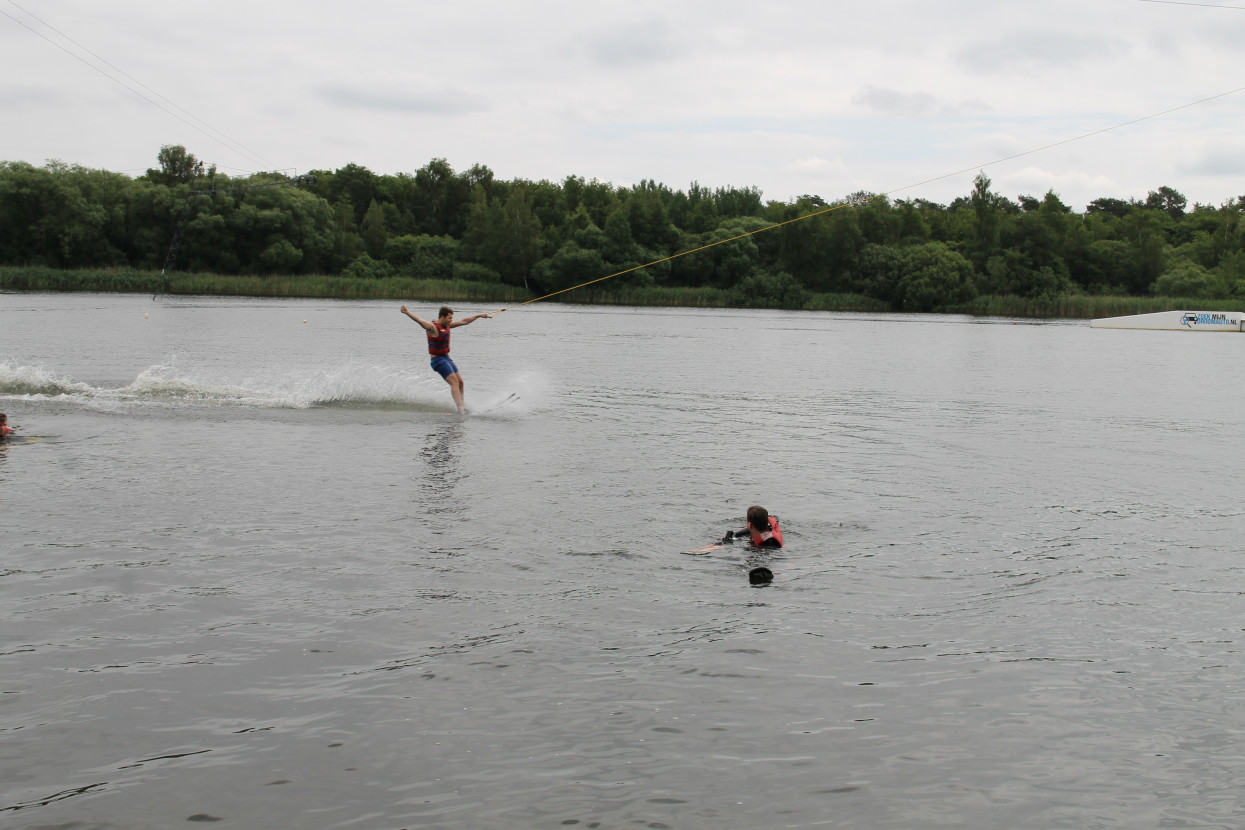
x,y
167,385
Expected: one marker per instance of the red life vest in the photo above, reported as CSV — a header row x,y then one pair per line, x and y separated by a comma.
x,y
441,343
774,532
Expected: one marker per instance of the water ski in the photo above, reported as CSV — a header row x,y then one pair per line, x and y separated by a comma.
x,y
14,440
705,549
513,397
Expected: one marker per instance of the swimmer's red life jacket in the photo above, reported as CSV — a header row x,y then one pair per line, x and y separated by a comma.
x,y
441,343
769,537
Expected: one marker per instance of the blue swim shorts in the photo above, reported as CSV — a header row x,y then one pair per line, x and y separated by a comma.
x,y
443,366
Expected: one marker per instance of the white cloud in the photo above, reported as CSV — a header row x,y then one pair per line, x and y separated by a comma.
x,y
1026,51
814,165
22,97
792,97
415,100
1220,159
912,103
633,45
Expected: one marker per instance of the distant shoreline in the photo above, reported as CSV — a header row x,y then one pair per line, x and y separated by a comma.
x,y
127,280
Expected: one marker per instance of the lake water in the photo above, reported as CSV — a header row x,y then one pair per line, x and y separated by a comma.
x,y
252,574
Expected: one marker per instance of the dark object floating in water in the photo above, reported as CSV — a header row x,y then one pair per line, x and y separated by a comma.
x,y
760,576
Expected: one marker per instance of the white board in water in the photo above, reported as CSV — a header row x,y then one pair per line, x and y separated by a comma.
x,y
1175,321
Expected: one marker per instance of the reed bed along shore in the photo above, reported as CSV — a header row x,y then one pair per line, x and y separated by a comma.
x,y
316,286
128,280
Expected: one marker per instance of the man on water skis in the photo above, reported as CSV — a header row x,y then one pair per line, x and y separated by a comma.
x,y
439,347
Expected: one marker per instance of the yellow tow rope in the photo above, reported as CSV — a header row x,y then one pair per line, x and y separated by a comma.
x,y
691,251
877,195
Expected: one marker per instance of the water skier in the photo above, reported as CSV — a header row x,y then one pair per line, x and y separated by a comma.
x,y
762,529
439,347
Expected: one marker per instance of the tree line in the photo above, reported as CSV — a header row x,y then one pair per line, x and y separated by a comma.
x,y
545,236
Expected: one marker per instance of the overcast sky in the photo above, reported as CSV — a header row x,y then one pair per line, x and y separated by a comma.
x,y
823,97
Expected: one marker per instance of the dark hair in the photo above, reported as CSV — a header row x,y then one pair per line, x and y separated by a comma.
x,y
444,311
758,517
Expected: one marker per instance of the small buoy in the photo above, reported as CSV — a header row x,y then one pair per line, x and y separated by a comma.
x,y
145,316
760,576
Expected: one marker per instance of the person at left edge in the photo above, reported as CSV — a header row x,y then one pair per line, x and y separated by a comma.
x,y
439,347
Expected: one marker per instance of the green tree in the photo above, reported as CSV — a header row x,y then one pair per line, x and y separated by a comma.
x,y
366,268
151,213
619,246
281,257
878,272
346,242
1202,248
954,225
695,212
548,202
933,277
209,243
1110,266
729,256
1170,201
505,236
879,223
650,222
373,231
845,242
822,252
805,245
1145,233
353,184
276,229
442,200
1188,280
521,238
570,265
765,289
1029,262
913,227
423,256
475,272
1231,272
176,166
60,216
738,201
1114,207
596,197
986,207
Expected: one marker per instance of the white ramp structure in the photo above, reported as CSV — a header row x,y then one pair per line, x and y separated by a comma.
x,y
1176,321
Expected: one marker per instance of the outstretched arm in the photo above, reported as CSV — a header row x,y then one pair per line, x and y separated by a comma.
x,y
429,327
470,319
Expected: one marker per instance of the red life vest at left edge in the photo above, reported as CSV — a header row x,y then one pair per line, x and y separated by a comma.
x,y
441,343
774,532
